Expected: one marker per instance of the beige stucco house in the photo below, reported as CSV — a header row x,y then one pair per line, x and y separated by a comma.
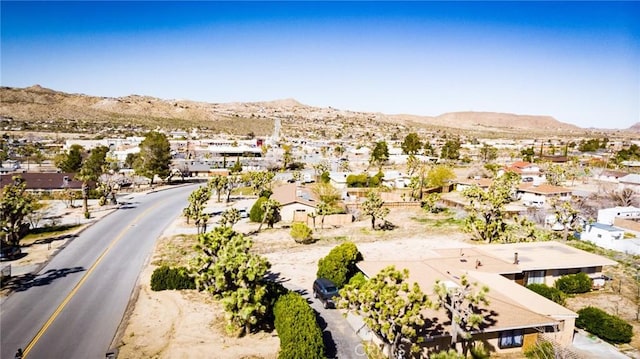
x,y
515,317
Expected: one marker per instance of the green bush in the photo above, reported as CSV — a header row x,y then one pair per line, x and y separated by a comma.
x,y
340,264
358,181
299,333
301,233
358,280
574,283
166,278
550,293
256,213
606,326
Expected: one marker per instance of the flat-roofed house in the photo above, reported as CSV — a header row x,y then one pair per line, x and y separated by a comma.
x,y
515,316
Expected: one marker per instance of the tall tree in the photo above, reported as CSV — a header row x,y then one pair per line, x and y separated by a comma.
x,y
379,154
271,213
228,269
91,170
411,144
219,184
391,308
527,154
374,206
70,161
440,175
463,305
15,205
555,174
451,149
229,218
566,215
155,156
486,220
488,153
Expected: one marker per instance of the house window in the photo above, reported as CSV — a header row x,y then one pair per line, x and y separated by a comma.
x,y
511,338
536,276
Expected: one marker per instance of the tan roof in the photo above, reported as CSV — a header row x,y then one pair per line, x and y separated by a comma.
x,y
472,259
545,255
291,193
506,312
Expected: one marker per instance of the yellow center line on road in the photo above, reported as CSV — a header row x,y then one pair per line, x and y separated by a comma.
x,y
75,289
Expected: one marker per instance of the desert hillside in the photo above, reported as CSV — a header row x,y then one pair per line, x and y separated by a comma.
x,y
39,108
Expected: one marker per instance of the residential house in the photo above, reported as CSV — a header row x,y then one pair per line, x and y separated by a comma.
x,y
338,179
515,316
611,176
45,181
609,215
529,172
297,202
395,179
610,237
538,195
463,184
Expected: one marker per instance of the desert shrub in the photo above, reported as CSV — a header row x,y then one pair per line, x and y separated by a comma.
x,y
447,354
299,333
340,264
256,213
574,283
479,351
606,326
301,233
167,278
542,350
550,293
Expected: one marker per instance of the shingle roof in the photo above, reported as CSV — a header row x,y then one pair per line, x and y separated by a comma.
x,y
44,181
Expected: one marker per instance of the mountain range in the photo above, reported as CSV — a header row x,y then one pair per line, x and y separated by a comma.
x,y
39,106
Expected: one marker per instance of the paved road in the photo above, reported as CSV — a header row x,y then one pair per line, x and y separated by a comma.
x,y
340,340
74,305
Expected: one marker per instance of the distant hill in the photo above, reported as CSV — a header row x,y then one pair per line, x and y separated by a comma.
x,y
635,128
37,106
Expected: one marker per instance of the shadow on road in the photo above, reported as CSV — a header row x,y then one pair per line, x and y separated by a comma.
x,y
330,347
26,281
52,239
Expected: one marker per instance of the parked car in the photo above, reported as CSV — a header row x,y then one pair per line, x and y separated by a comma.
x,y
326,292
9,252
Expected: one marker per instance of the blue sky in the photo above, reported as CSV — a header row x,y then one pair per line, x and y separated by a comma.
x,y
576,61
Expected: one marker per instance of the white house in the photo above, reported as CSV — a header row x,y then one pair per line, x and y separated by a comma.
x,y
610,237
608,215
338,179
539,195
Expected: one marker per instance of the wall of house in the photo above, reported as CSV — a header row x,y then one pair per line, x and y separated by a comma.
x,y
329,221
627,224
287,212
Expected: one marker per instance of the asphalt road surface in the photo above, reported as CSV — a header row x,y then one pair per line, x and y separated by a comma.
x,y
74,305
